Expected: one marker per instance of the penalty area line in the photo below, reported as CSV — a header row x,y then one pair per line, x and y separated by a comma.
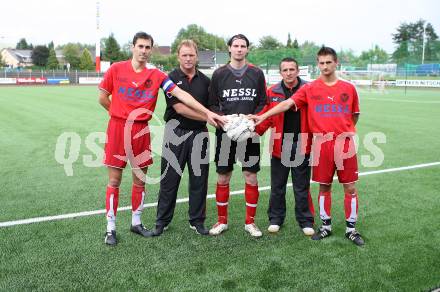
x,y
183,200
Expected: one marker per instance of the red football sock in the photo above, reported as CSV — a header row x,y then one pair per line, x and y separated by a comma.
x,y
137,198
222,198
351,209
111,206
251,196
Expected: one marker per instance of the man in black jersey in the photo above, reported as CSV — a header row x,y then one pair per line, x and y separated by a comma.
x,y
237,88
185,143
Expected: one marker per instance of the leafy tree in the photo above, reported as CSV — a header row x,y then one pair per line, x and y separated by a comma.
x,y
52,61
432,51
71,53
270,59
80,46
402,40
204,40
308,52
86,61
436,50
347,57
409,42
375,55
126,50
23,45
166,63
295,44
269,43
2,62
289,41
39,56
51,45
112,50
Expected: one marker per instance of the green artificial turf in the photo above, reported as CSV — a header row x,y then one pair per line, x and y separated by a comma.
x,y
398,211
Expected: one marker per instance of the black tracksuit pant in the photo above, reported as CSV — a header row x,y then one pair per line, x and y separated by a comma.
x,y
188,153
301,184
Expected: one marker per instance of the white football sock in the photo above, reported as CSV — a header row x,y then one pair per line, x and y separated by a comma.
x,y
348,229
136,218
111,224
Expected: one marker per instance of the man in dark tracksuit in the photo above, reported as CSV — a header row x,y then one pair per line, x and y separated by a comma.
x,y
290,153
185,143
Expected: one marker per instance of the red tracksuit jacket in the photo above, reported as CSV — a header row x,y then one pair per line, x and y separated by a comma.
x,y
275,95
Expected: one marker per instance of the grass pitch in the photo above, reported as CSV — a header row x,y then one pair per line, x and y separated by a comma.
x,y
398,211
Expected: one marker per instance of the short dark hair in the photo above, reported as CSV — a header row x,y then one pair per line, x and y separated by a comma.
x,y
142,35
289,59
238,37
325,51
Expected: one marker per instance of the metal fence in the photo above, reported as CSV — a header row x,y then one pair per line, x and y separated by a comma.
x,y
72,75
373,72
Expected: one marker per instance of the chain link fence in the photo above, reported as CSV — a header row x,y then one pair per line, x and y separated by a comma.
x,y
73,76
372,72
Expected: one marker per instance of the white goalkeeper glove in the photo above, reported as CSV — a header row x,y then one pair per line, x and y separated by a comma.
x,y
239,128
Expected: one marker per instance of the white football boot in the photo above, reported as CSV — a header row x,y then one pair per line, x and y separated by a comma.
x,y
218,228
253,230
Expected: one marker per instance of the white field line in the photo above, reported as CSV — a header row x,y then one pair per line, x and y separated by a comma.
x,y
402,100
183,200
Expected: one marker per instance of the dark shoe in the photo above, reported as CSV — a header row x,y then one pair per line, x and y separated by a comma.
x,y
159,230
199,228
141,230
321,233
110,238
355,237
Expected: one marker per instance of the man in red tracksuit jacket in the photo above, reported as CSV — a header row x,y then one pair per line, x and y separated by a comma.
x,y
290,152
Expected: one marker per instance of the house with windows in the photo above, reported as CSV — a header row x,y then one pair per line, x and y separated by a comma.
x,y
14,58
17,58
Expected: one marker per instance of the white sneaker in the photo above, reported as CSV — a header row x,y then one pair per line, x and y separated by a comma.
x,y
308,231
218,228
253,230
273,228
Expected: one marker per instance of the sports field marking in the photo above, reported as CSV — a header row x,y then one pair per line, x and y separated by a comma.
x,y
183,200
402,100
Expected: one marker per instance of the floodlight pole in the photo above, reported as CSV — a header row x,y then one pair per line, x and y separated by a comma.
x,y
98,42
215,53
423,44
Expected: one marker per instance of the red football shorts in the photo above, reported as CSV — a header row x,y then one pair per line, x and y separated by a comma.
x,y
336,155
122,145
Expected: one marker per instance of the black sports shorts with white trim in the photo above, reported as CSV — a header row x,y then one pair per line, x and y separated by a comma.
x,y
227,152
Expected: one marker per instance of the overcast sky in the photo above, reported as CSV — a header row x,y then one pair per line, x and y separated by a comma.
x,y
340,24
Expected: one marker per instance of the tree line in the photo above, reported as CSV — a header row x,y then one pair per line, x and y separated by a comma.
x,y
408,38
78,55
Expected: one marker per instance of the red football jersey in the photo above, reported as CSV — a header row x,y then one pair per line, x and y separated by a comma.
x,y
131,90
329,108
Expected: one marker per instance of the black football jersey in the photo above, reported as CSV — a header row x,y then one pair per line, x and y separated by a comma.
x,y
240,91
197,87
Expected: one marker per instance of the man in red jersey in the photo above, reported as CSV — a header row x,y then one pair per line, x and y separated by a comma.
x,y
333,111
237,88
134,87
